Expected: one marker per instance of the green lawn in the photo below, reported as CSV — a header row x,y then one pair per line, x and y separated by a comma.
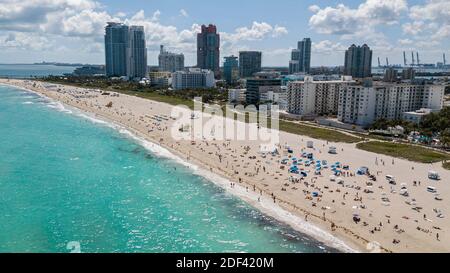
x,y
317,133
159,97
409,152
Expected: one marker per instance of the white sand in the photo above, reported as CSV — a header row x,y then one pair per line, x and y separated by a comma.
x,y
398,219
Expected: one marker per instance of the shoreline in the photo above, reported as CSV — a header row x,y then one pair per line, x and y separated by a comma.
x,y
292,212
265,205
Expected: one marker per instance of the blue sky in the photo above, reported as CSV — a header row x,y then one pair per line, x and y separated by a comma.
x,y
72,30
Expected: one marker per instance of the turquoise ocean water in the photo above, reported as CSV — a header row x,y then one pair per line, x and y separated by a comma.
x,y
66,178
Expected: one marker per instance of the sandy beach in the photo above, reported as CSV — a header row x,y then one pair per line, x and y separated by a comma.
x,y
352,212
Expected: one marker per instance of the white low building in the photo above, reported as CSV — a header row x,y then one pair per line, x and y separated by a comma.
x,y
417,116
236,95
274,95
194,78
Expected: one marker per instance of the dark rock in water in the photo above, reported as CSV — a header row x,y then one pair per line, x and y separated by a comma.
x,y
148,156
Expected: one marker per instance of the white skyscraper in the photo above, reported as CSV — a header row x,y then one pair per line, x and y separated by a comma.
x,y
170,62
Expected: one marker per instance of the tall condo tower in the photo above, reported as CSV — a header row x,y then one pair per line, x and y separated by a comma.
x,y
249,63
358,61
208,49
137,53
301,57
116,45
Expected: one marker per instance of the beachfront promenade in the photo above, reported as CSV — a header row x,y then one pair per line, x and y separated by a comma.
x,y
399,214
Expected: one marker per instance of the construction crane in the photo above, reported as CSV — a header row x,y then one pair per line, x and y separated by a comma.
x,y
387,62
412,57
443,57
404,58
418,60
379,64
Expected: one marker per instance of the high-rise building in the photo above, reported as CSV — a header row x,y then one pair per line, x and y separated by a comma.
x,y
305,55
294,67
194,78
170,62
249,63
408,73
136,53
390,75
116,45
252,96
310,97
125,51
301,57
364,104
358,61
208,49
231,69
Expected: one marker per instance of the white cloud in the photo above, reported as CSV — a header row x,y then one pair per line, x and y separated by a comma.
x,y
256,32
405,42
433,10
345,20
413,28
155,16
120,14
83,21
431,19
327,47
279,31
25,41
314,8
184,13
29,15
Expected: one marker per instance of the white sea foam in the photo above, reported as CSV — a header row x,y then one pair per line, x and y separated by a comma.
x,y
59,107
265,204
28,102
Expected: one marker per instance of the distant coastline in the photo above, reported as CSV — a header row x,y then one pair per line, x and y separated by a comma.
x,y
48,63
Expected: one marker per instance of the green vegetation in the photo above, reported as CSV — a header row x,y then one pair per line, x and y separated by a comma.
x,y
156,96
371,136
383,124
172,97
434,125
446,165
409,152
316,132
437,124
